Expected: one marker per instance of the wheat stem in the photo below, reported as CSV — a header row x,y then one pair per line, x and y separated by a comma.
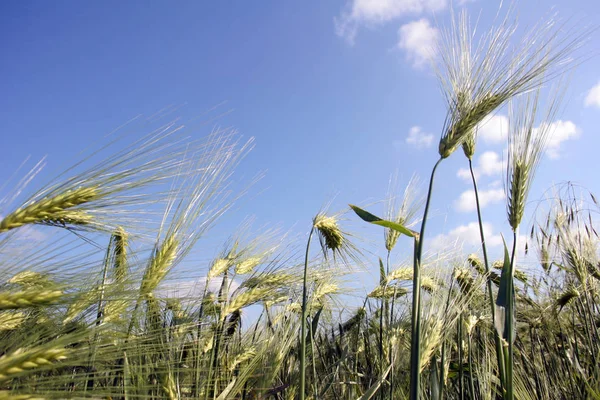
x,y
303,321
415,349
497,341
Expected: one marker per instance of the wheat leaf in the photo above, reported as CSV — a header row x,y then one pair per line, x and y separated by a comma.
x,y
368,217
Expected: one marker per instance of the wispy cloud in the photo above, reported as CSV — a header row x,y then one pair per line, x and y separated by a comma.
x,y
466,236
418,138
418,39
560,131
375,12
493,129
466,201
489,163
593,96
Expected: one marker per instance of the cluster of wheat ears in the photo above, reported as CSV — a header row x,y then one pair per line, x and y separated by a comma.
x,y
93,266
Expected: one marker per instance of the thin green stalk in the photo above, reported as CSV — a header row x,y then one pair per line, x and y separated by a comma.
x,y
99,312
314,364
442,370
415,350
470,357
384,308
459,337
443,358
509,394
223,299
381,312
497,341
303,323
196,387
390,322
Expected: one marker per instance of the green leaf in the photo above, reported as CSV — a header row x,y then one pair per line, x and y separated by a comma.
x,y
506,293
368,217
375,387
225,393
434,378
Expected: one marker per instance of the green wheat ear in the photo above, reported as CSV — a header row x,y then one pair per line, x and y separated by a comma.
x,y
53,210
29,298
329,233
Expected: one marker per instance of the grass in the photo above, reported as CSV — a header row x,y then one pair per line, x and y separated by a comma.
x,y
86,312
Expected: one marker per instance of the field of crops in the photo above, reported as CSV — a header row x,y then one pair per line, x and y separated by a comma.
x,y
92,299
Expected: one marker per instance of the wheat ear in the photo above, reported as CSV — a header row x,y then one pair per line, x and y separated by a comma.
x,y
53,210
159,265
22,361
28,298
245,299
10,320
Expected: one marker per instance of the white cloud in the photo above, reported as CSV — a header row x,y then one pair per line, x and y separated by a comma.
x,y
493,129
466,202
373,12
418,138
593,96
560,131
465,174
489,163
418,39
467,236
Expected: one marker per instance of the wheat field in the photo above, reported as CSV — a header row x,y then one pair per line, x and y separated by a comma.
x,y
94,302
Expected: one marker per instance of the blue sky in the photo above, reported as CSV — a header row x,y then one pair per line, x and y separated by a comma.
x,y
337,95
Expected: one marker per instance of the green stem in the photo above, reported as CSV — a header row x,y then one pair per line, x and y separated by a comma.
x,y
510,312
196,386
312,360
470,356
303,323
443,359
497,341
460,358
390,322
415,350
